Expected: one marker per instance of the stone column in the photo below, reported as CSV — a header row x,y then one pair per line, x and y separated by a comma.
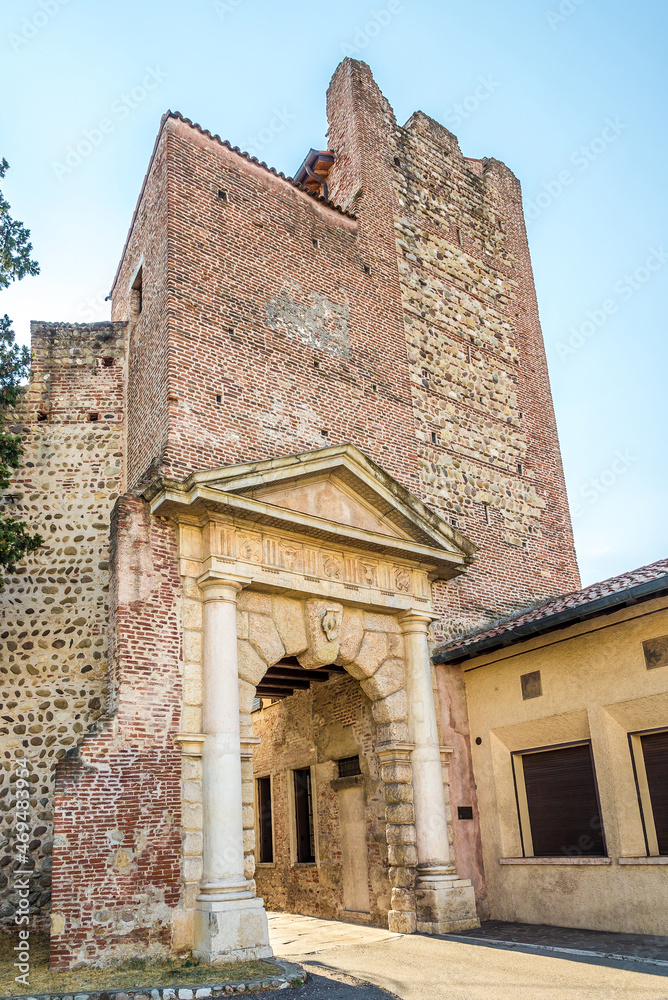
x,y
444,901
230,922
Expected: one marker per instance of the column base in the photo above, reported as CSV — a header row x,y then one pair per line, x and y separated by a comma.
x,y
445,903
231,930
402,921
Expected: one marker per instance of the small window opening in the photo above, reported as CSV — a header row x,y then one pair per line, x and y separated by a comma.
x,y
92,417
316,242
324,433
459,237
488,519
42,416
397,161
266,845
434,437
348,767
453,522
222,195
304,816
136,297
219,398
520,469
366,268
107,362
374,386
316,364
464,812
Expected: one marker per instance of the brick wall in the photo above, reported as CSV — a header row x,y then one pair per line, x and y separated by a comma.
x,y
53,610
117,845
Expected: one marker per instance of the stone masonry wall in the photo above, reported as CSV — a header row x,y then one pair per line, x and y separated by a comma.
x,y
488,449
53,609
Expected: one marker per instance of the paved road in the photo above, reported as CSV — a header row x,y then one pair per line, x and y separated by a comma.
x,y
417,967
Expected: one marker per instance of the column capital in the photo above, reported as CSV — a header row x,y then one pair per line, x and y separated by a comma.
x,y
416,620
217,586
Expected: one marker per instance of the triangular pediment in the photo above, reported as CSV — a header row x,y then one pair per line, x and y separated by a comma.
x,y
330,498
334,492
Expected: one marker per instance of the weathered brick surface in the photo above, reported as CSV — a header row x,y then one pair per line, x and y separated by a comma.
x,y
53,610
117,849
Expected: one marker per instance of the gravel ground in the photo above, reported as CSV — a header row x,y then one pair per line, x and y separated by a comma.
x,y
324,984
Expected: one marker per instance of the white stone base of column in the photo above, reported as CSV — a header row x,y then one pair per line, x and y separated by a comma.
x,y
444,902
231,930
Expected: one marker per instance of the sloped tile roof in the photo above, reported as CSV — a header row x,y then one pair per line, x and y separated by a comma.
x,y
558,612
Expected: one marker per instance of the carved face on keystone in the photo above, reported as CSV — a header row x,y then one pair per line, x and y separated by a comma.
x,y
331,624
324,624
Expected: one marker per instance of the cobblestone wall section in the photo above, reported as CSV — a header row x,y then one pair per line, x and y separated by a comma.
x,y
53,610
487,443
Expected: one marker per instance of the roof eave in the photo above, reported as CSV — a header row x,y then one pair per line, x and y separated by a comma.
x,y
562,619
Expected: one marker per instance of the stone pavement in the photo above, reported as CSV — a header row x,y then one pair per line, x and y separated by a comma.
x,y
643,948
417,967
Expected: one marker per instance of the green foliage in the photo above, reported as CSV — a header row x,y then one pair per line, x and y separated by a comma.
x,y
15,263
15,247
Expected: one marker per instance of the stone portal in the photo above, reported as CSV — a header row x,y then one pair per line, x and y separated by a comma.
x,y
309,569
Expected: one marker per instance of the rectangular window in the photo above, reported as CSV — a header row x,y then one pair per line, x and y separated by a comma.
x,y
265,832
650,758
136,297
558,802
349,767
304,816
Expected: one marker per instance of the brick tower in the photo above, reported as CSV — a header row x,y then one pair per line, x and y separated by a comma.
x,y
403,320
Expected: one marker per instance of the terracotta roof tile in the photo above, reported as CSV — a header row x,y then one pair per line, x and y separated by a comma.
x,y
556,612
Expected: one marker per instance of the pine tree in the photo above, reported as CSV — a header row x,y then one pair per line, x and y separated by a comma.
x,y
16,540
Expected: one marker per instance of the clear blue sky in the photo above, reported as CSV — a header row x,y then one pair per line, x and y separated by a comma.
x,y
573,100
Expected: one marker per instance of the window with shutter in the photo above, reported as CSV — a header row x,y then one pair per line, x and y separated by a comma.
x,y
558,802
650,759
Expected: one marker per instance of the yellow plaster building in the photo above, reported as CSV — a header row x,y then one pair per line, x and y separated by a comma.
x,y
568,711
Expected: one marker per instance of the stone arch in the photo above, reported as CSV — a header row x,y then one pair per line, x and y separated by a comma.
x,y
370,648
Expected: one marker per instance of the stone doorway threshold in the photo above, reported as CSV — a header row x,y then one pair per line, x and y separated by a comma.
x,y
646,949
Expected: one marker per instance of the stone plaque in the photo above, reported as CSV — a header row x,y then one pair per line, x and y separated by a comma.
x,y
531,685
656,652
